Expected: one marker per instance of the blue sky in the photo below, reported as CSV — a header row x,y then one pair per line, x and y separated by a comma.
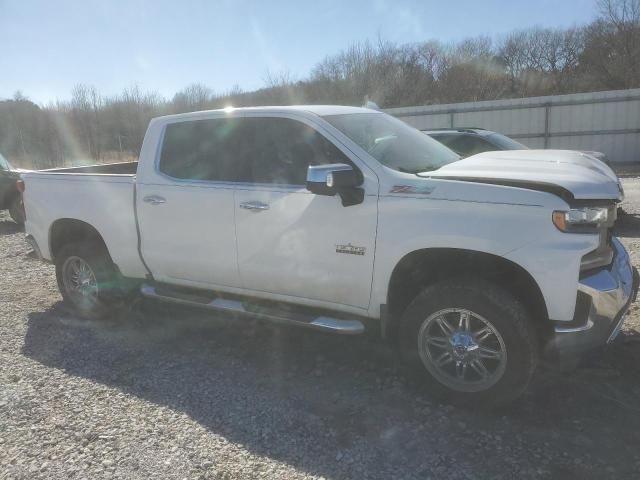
x,y
47,46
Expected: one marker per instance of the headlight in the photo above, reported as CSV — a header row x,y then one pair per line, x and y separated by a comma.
x,y
581,220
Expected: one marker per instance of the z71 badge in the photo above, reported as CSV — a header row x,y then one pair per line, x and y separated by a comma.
x,y
412,189
350,249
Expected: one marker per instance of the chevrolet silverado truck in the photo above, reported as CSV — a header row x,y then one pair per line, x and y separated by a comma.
x,y
343,220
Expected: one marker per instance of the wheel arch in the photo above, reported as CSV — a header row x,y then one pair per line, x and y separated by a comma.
x,y
424,267
70,230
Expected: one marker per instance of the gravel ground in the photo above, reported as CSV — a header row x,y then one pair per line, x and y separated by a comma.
x,y
179,394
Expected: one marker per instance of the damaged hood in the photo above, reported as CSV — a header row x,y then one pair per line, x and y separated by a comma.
x,y
559,171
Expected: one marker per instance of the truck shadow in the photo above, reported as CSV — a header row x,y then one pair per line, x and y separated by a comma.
x,y
9,227
628,225
340,407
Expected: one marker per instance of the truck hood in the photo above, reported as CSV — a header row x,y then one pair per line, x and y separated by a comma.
x,y
577,173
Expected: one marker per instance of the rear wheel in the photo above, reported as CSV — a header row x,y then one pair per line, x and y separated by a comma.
x,y
87,279
16,210
471,341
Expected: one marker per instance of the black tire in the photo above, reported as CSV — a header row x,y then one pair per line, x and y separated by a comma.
x,y
516,338
16,210
108,286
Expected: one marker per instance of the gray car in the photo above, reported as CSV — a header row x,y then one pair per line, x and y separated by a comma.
x,y
469,141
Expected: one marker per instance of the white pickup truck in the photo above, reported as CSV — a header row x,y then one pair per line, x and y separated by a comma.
x,y
344,219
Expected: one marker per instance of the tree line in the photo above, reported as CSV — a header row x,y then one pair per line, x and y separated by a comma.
x,y
90,127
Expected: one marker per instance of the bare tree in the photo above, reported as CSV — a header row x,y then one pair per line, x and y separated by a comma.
x,y
621,13
611,55
194,97
85,108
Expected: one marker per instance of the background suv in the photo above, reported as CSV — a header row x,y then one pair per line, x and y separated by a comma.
x,y
469,141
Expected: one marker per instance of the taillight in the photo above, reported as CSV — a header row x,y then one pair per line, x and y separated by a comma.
x,y
20,186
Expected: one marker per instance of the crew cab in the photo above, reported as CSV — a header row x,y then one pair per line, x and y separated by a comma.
x,y
343,220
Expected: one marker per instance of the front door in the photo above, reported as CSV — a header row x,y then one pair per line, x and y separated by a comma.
x,y
292,242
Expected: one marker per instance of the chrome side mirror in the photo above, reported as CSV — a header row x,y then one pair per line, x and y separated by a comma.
x,y
336,178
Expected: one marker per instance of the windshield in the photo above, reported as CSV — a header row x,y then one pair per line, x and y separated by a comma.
x,y
392,142
506,143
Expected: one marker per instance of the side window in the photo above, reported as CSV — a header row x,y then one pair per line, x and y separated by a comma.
x,y
449,140
285,148
215,149
245,149
468,145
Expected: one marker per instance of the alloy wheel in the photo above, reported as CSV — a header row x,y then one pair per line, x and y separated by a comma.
x,y
80,283
462,350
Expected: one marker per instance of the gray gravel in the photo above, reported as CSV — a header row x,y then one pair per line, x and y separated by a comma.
x,y
179,394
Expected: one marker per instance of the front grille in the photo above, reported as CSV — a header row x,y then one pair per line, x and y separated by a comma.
x,y
606,237
603,255
612,214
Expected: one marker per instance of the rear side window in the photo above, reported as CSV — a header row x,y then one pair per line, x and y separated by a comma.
x,y
205,149
250,149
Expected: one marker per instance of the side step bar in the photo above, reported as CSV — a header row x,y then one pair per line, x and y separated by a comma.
x,y
265,312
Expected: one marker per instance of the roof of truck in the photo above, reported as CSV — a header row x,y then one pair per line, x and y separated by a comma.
x,y
320,110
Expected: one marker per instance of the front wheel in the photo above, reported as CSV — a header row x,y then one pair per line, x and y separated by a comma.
x,y
471,341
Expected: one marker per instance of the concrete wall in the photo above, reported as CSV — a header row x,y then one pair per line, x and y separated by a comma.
x,y
608,122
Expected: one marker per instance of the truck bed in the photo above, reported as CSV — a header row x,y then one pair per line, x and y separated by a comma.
x,y
123,168
103,196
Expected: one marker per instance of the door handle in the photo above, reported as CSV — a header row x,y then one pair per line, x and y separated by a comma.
x,y
154,199
255,206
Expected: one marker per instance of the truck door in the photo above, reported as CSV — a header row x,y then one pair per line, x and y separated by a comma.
x,y
290,241
185,207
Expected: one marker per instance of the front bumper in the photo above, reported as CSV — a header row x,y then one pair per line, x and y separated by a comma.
x,y
606,295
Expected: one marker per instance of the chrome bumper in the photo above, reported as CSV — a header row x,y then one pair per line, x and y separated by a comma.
x,y
608,292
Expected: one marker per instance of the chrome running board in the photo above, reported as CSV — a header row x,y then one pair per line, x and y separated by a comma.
x,y
291,316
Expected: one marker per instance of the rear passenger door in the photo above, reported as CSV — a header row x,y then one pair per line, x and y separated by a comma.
x,y
290,241
185,205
